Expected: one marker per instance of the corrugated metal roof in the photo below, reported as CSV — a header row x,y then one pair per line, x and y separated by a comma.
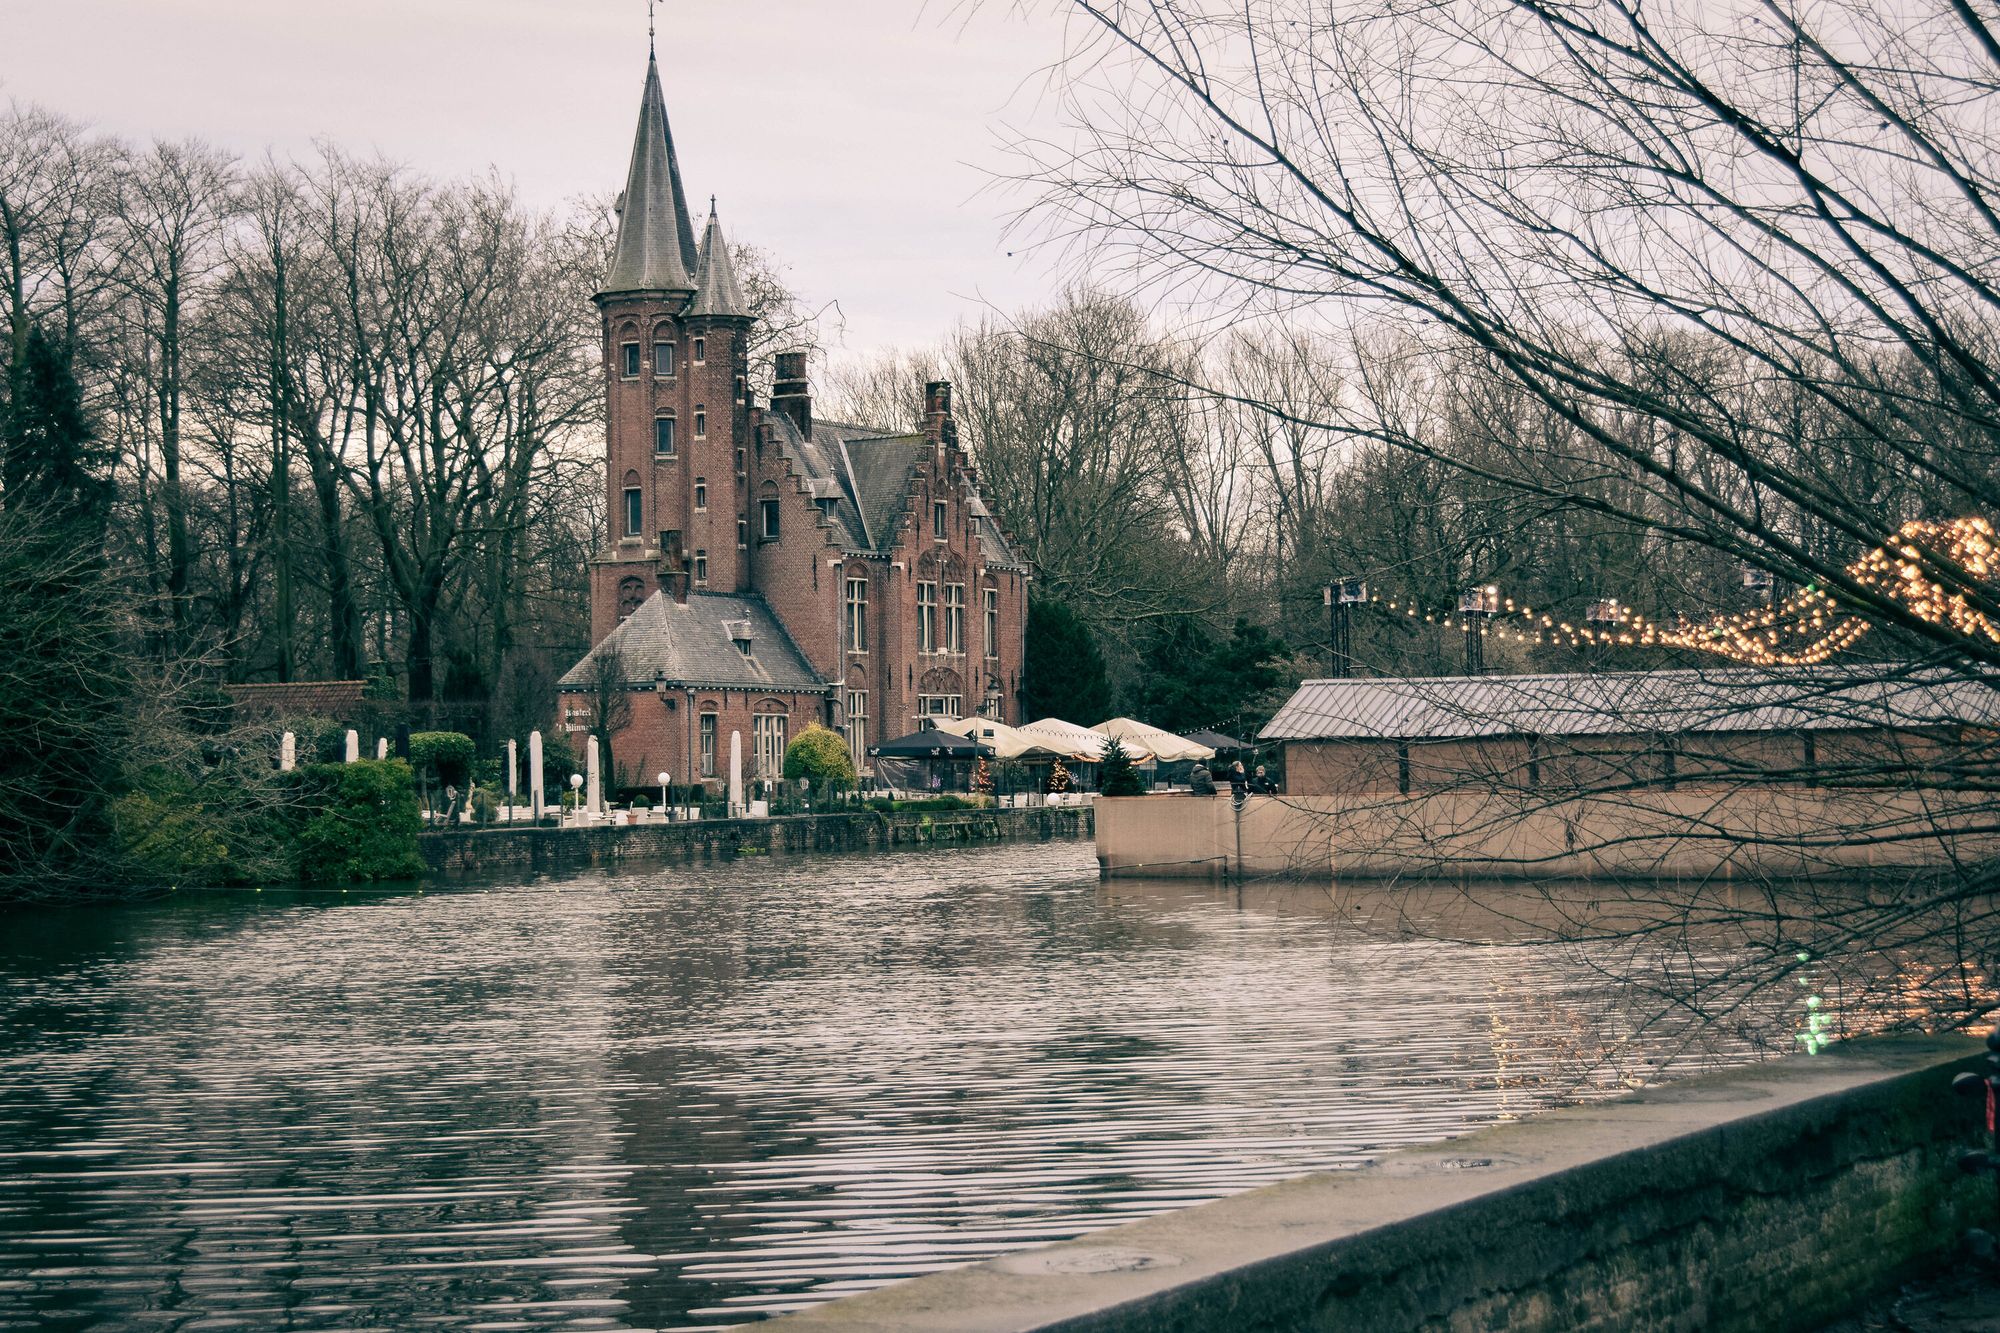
x,y
695,644
1614,703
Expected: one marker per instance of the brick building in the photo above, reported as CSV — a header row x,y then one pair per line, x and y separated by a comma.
x,y
765,569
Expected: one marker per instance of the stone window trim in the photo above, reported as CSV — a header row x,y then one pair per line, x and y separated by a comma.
x,y
701,566
990,604
699,351
629,360
701,421
701,495
927,616
663,358
940,521
666,443
855,624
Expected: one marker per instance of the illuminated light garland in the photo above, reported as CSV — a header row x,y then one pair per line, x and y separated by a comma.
x,y
1760,637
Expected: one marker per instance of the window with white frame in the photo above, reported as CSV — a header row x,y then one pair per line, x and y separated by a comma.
x,y
931,707
768,730
927,617
708,745
940,520
701,566
857,615
857,726
700,351
954,617
634,511
700,493
700,421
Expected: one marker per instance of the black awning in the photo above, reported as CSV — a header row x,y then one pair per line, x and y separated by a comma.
x,y
930,743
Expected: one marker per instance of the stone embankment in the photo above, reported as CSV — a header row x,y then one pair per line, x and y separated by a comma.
x,y
475,852
1777,1196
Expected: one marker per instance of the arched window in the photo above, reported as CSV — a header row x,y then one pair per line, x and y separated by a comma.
x,y
631,592
664,444
635,506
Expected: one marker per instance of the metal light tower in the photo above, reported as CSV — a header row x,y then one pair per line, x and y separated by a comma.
x,y
1340,599
1475,607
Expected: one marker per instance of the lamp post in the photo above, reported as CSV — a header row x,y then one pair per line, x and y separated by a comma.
x,y
1340,598
575,788
666,811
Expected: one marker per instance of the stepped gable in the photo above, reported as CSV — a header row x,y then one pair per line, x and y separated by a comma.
x,y
696,643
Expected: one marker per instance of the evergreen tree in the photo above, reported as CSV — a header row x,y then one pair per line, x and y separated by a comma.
x,y
1117,774
65,679
1064,674
50,458
1191,680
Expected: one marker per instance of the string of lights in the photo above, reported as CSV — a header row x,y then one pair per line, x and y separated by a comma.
x,y
1803,629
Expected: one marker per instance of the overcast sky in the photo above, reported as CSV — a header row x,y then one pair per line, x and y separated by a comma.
x,y
851,137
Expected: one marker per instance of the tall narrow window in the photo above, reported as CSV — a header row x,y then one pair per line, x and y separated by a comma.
x,y
940,520
857,615
770,514
700,350
742,532
954,617
708,745
857,726
769,730
927,617
701,566
741,388
663,436
700,422
634,515
739,462
631,351
992,597
700,493
663,358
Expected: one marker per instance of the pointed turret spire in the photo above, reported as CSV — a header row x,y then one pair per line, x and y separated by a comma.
x,y
716,292
655,250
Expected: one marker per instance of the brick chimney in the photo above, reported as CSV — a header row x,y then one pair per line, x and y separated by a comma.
x,y
791,394
674,576
939,428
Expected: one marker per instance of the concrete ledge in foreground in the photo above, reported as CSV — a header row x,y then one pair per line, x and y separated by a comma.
x,y
1772,1197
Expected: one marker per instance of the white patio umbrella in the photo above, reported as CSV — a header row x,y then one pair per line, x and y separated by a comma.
x,y
1068,738
1162,745
1007,742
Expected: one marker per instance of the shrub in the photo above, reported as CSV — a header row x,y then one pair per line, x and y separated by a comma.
x,y
443,758
1118,775
821,755
642,802
485,809
363,822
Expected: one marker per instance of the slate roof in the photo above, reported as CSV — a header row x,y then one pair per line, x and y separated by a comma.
x,y
655,249
866,472
1734,699
716,291
695,644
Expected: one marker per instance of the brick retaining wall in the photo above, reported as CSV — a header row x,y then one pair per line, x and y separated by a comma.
x,y
496,851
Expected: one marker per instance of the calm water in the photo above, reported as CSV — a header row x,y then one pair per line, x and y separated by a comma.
x,y
690,1097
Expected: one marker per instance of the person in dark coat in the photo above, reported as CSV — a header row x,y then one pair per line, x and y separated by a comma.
x,y
1199,781
1261,784
1239,782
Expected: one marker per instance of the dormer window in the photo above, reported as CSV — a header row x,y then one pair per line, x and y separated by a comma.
x,y
631,357
663,358
701,351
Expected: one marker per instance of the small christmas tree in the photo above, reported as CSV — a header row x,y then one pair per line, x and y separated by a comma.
x,y
1059,777
1118,776
982,776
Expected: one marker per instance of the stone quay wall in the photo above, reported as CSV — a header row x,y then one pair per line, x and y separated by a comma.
x,y
1746,832
1778,1196
477,852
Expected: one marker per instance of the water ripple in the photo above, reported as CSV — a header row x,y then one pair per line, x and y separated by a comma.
x,y
694,1097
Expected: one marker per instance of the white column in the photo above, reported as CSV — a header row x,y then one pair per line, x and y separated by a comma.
x,y
381,747
513,762
735,775
535,789
288,752
593,782
353,745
